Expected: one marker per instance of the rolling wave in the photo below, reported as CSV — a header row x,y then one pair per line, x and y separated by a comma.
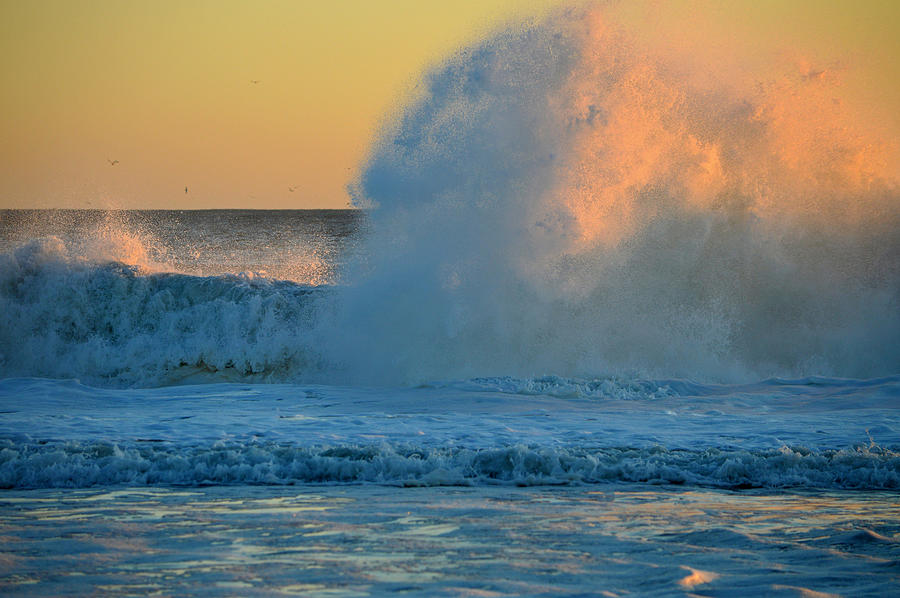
x,y
113,324
86,464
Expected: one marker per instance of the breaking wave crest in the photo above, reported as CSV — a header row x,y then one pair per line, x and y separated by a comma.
x,y
85,464
65,315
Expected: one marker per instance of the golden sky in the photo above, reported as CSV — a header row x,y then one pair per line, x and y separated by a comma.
x,y
243,101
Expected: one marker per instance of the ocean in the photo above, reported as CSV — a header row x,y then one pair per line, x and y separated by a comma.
x,y
170,433
602,325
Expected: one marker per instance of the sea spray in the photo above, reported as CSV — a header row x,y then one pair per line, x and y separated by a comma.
x,y
561,200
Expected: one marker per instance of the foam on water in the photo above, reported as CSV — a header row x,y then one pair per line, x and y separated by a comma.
x,y
810,434
86,464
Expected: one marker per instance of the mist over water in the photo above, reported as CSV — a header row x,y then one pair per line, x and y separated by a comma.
x,y
561,200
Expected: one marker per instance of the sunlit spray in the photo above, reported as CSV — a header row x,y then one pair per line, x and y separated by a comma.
x,y
562,199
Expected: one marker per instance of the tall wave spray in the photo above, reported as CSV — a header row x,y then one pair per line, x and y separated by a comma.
x,y
559,200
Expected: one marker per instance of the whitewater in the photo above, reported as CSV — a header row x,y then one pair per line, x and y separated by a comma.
x,y
612,318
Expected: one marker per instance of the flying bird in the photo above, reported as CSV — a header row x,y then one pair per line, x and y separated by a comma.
x,y
291,189
112,162
254,81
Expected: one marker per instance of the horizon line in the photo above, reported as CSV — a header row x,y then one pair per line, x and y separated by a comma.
x,y
351,209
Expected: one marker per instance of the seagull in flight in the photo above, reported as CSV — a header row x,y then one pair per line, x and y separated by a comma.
x,y
254,81
112,162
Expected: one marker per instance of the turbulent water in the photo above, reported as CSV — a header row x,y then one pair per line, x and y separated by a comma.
x,y
151,298
580,261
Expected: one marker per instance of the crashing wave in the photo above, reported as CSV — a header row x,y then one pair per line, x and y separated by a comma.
x,y
85,464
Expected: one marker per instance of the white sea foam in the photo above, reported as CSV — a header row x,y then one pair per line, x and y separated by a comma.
x,y
75,464
822,433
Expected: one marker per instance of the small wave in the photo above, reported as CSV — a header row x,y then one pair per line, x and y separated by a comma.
x,y
85,464
609,387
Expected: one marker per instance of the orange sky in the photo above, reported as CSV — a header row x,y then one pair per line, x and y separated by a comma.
x,y
165,87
